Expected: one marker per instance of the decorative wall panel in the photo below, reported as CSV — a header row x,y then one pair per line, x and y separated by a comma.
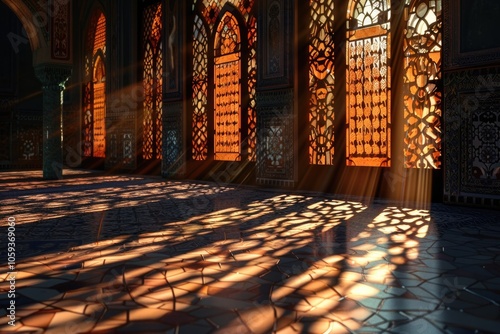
x,y
173,148
128,148
173,61
481,143
275,157
21,140
472,123
60,26
122,139
274,40
29,138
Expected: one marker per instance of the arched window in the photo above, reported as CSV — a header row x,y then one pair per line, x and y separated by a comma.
x,y
227,90
219,95
422,83
94,98
368,84
152,79
321,82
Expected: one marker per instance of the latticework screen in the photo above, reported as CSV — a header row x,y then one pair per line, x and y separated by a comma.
x,y
200,91
368,85
227,90
422,80
94,92
152,82
321,83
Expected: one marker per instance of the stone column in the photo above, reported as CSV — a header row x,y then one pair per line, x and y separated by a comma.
x,y
53,79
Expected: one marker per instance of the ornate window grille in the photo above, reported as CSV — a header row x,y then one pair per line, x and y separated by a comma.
x,y
321,82
368,84
152,80
94,90
224,97
422,85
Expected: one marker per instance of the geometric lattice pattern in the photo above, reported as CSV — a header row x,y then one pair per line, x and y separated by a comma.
x,y
210,9
276,138
87,122
365,13
99,142
252,82
227,93
321,83
484,142
94,91
368,86
423,88
200,91
207,13
152,82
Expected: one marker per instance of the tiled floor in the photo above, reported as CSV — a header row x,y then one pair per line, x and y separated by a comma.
x,y
129,254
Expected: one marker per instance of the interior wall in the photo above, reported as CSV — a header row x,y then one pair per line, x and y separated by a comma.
x,y
472,103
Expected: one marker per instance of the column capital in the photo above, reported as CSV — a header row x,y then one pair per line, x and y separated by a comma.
x,y
53,75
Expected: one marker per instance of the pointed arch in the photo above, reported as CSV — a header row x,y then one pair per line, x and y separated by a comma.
x,y
368,84
94,89
34,32
227,89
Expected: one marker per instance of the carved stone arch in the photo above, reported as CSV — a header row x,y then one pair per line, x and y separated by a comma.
x,y
34,32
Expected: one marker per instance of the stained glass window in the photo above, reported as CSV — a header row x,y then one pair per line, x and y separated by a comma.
x,y
422,83
321,82
94,90
152,82
227,92
368,84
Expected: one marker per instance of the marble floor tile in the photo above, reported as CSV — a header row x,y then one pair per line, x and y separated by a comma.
x,y
197,257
